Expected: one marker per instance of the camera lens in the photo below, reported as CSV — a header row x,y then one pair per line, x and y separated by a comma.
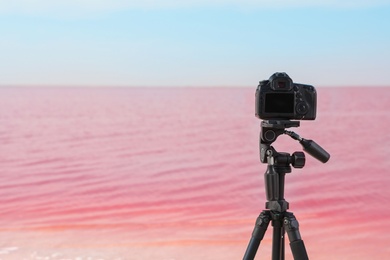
x,y
302,108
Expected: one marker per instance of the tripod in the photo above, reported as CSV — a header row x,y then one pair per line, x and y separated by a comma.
x,y
276,206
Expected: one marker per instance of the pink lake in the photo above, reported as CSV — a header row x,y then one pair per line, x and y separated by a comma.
x,y
174,173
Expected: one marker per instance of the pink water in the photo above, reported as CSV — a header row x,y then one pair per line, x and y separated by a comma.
x,y
172,173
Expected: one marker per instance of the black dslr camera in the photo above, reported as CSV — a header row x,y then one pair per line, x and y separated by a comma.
x,y
280,98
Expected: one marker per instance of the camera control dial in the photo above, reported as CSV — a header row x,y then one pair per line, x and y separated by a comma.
x,y
302,108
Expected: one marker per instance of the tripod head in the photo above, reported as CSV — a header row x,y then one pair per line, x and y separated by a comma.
x,y
271,129
280,163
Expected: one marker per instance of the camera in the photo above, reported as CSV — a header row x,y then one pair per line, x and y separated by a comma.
x,y
280,98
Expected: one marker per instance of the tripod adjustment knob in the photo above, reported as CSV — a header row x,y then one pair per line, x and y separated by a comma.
x,y
298,160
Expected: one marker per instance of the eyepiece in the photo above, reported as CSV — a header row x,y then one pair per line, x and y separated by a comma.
x,y
280,81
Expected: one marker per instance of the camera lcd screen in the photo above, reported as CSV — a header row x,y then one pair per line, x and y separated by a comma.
x,y
279,103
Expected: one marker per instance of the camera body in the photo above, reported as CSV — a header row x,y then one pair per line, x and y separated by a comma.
x,y
280,98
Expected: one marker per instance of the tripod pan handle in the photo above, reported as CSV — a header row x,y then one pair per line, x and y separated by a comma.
x,y
315,150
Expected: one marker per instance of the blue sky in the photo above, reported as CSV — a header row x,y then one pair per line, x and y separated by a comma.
x,y
196,43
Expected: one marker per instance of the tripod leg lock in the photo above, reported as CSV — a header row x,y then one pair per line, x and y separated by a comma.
x,y
261,225
291,226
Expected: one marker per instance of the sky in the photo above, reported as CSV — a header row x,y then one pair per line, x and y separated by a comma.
x,y
193,43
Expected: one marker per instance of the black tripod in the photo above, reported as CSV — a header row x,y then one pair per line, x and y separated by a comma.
x,y
276,206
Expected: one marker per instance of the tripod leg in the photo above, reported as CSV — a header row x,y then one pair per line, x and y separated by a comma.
x,y
282,244
278,235
296,243
257,235
277,240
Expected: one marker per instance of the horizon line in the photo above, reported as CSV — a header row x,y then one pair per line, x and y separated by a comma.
x,y
167,86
